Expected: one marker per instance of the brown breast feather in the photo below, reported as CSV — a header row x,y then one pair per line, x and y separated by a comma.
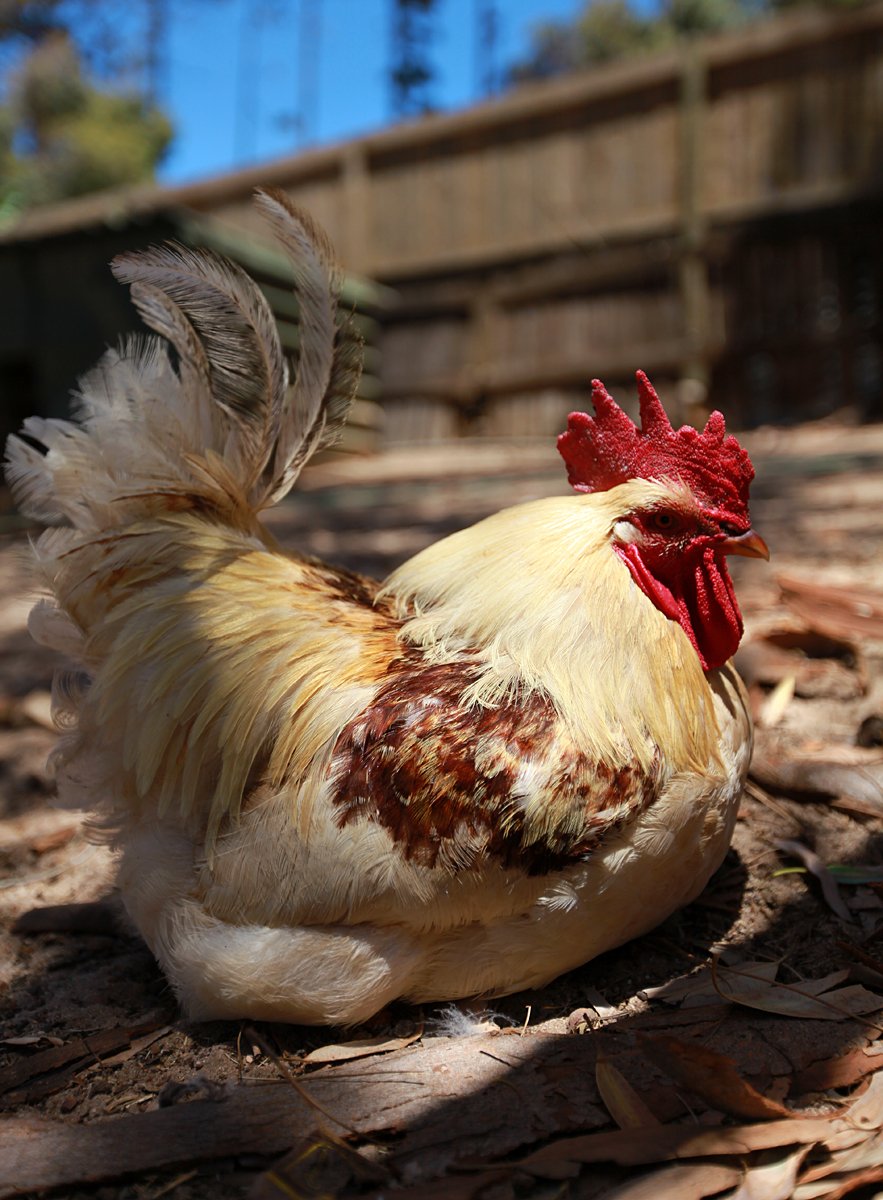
x,y
443,776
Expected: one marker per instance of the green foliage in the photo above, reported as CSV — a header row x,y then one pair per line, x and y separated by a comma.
x,y
61,136
611,29
688,17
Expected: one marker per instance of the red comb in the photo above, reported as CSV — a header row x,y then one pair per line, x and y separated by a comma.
x,y
608,449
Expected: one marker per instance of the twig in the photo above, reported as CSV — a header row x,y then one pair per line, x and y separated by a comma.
x,y
756,792
175,1183
284,1070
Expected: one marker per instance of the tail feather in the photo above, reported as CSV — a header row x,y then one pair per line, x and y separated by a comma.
x,y
156,561
330,359
222,427
180,290
159,312
227,311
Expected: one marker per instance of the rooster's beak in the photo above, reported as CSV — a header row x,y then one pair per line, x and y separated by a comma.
x,y
749,545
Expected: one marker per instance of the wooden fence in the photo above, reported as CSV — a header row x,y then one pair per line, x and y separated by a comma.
x,y
711,215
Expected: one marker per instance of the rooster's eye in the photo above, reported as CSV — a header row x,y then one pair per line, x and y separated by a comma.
x,y
663,521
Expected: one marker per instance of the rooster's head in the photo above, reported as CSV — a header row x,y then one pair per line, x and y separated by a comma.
x,y
675,539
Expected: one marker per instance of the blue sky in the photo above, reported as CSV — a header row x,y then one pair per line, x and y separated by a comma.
x,y
223,123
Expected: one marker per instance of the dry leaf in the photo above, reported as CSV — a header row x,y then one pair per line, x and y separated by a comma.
x,y
855,1181
863,900
316,1167
599,1004
863,974
620,1099
868,1153
138,1044
636,1147
820,666
860,956
842,1136
838,612
684,1181
843,1071
54,840
866,1112
487,1184
359,1048
36,1039
811,1191
815,777
796,1000
711,1076
772,1179
701,983
36,707
814,864
862,807
773,708
815,987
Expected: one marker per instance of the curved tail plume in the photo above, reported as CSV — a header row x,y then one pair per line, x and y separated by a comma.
x,y
222,426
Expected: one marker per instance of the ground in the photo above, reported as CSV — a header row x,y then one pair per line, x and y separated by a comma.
x,y
107,1092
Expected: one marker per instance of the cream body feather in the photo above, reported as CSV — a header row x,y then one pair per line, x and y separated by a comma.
x,y
232,701
296,919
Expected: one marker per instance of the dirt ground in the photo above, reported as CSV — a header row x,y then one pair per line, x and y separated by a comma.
x,y
107,1092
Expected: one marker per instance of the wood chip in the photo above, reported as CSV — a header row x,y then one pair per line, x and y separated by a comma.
x,y
48,1071
491,1108
94,1046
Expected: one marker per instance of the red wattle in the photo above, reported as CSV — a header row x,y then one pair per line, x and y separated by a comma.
x,y
697,592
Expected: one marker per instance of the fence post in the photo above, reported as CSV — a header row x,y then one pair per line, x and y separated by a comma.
x,y
695,291
356,206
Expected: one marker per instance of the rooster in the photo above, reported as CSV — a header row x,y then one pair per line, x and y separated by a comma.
x,y
522,749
